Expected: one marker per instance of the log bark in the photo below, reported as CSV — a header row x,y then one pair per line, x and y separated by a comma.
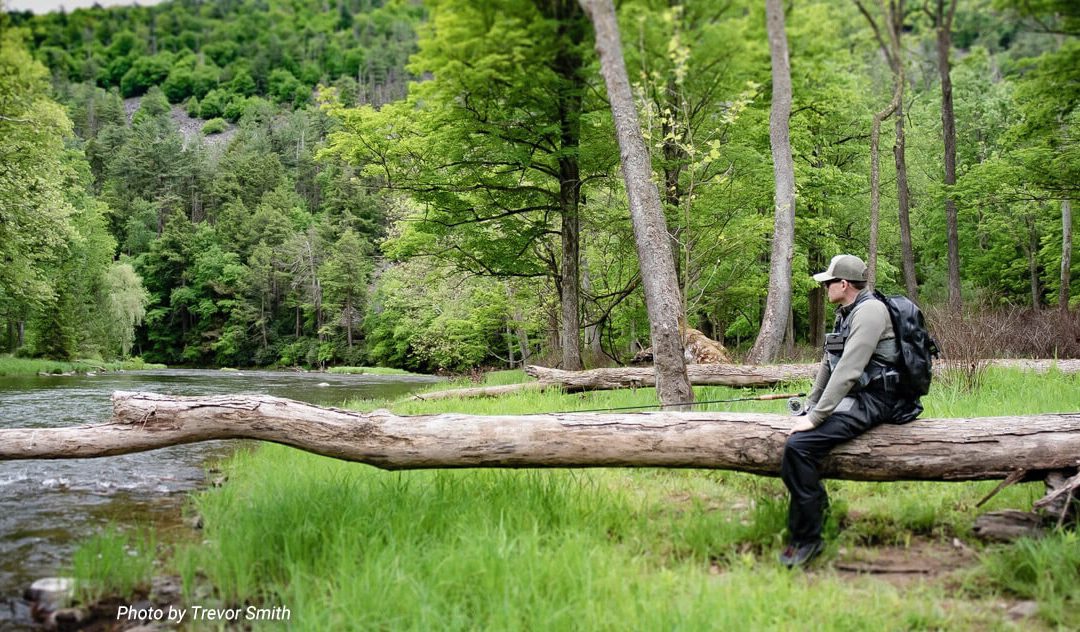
x,y
931,449
699,374
741,375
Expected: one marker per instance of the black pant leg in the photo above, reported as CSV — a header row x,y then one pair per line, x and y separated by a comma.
x,y
803,453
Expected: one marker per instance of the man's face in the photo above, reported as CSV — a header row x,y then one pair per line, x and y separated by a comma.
x,y
835,289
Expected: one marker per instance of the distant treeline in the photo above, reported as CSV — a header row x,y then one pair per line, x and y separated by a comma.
x,y
213,55
407,184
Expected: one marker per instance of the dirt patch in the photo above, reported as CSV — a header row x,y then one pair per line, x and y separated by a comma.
x,y
921,560
190,128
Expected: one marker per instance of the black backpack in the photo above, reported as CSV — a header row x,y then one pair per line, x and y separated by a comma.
x,y
916,346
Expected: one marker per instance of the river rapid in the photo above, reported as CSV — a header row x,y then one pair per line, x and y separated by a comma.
x,y
48,507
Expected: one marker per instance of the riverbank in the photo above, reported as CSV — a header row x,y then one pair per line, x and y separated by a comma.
x,y
342,545
12,366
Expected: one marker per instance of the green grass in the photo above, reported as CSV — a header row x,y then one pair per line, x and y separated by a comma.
x,y
1046,570
31,366
369,370
347,546
113,563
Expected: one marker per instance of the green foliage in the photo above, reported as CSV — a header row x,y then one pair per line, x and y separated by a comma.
x,y
214,126
212,105
1046,570
279,259
419,324
36,224
145,73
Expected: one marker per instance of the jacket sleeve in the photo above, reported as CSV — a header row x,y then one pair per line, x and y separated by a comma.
x,y
868,323
819,382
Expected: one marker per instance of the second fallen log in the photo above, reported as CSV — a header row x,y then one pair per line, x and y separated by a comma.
x,y
740,375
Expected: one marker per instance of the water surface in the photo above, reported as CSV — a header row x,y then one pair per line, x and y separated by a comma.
x,y
48,506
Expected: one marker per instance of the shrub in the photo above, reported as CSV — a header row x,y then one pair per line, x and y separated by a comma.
x,y
213,104
144,73
214,126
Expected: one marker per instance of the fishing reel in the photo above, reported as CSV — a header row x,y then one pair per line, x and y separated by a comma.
x,y
796,406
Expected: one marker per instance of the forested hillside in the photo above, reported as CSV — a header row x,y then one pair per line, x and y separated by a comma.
x,y
429,186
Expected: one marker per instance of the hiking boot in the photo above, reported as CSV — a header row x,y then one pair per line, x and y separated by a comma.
x,y
799,554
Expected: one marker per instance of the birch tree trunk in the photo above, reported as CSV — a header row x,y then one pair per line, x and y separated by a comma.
x,y
927,449
662,300
778,302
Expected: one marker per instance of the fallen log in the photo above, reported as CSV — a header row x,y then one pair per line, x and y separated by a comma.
x,y
741,375
699,374
930,449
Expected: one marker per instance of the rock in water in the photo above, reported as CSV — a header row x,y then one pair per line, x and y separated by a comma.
x,y
51,589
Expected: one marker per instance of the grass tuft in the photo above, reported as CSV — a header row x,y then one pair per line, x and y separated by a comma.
x,y
113,563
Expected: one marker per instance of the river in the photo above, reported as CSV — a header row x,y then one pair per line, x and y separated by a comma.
x,y
47,507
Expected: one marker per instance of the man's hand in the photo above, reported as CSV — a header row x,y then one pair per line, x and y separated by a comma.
x,y
801,426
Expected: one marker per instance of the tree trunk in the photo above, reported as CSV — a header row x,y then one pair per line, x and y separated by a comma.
x,y
929,449
1066,255
1033,262
778,303
943,21
875,183
903,196
568,64
816,302
662,300
893,17
592,332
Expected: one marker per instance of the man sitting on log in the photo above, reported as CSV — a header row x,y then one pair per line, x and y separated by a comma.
x,y
856,388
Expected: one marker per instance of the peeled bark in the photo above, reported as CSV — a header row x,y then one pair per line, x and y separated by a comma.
x,y
778,301
931,449
662,299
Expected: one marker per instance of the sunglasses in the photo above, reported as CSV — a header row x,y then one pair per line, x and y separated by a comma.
x,y
830,282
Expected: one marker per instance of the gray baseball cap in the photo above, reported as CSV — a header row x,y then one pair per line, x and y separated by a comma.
x,y
847,267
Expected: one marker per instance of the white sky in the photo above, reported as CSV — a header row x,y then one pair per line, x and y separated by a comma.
x,y
44,6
